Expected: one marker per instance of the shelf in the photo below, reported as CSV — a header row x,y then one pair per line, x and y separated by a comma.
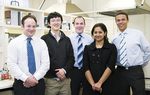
x,y
22,9
12,29
147,84
18,27
13,26
14,14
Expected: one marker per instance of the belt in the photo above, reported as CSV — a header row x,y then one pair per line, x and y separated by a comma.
x,y
129,68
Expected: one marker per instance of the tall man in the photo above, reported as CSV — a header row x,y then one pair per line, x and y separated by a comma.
x,y
79,39
61,57
28,60
133,52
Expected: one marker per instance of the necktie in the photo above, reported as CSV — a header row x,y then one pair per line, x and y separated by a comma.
x,y
123,51
80,52
31,58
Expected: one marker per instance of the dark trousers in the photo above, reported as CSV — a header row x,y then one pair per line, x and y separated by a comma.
x,y
77,80
126,78
89,91
19,89
107,87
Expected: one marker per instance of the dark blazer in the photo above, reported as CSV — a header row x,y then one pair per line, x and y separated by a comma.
x,y
97,60
61,54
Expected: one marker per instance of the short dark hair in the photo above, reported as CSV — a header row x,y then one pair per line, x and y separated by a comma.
x,y
28,16
54,15
103,27
122,13
78,17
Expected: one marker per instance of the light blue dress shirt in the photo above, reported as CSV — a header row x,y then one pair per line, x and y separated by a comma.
x,y
138,48
86,40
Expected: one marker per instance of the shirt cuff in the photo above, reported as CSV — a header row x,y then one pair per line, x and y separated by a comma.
x,y
23,77
37,76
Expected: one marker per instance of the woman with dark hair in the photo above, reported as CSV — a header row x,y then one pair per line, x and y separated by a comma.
x,y
99,61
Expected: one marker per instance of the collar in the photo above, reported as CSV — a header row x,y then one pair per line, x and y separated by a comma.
x,y
25,37
53,33
124,32
77,35
93,45
61,34
119,33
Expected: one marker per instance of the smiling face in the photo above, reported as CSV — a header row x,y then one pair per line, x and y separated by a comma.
x,y
121,21
29,27
55,23
79,25
98,34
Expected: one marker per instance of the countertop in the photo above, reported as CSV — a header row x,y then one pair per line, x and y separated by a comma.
x,y
4,84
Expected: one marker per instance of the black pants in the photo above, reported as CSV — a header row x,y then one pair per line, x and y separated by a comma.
x,y
106,87
126,78
19,89
77,80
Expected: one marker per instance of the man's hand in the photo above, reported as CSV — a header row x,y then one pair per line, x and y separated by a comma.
x,y
60,73
30,82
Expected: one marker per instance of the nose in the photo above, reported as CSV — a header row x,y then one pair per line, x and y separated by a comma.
x,y
32,28
119,22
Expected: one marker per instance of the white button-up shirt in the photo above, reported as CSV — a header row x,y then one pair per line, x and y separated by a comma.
x,y
18,61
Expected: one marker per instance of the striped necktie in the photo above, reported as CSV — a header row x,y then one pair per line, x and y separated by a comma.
x,y
80,52
123,51
31,58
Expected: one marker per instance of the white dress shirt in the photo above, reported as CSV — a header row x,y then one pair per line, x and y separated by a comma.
x,y
18,61
86,40
138,48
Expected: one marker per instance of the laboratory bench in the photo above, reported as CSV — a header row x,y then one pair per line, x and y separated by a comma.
x,y
6,87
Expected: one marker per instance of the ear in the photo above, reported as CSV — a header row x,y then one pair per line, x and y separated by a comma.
x,y
48,25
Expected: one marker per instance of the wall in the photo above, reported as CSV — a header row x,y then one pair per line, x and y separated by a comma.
x,y
147,26
140,22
